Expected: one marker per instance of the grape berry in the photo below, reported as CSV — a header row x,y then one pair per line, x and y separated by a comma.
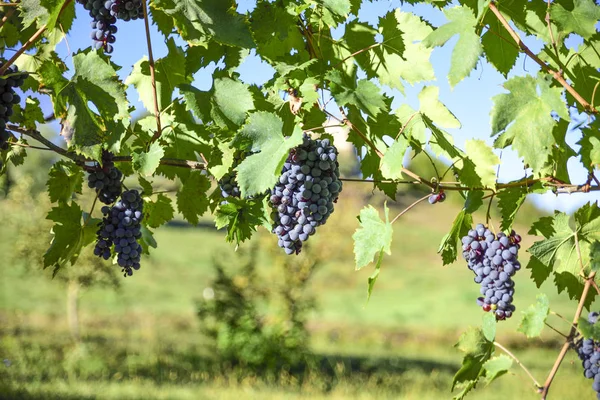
x,y
308,186
228,184
437,197
106,180
589,353
121,227
8,98
493,259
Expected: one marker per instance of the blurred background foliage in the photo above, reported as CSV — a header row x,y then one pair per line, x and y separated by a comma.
x,y
200,320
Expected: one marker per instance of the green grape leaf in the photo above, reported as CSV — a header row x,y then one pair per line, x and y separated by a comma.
x,y
524,119
366,95
484,160
489,326
534,318
146,186
496,367
588,330
146,163
558,252
148,240
372,237
68,235
451,241
590,146
260,171
159,212
32,114
192,200
435,110
502,54
169,73
47,12
392,163
509,202
595,256
468,48
95,81
64,179
233,100
581,18
241,218
373,278
478,351
197,101
197,20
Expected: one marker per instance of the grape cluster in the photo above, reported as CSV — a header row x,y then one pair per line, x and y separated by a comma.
x,y
308,186
227,183
493,259
106,180
8,98
121,227
103,23
437,197
127,10
589,353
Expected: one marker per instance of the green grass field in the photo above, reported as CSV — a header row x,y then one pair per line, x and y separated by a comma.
x,y
143,341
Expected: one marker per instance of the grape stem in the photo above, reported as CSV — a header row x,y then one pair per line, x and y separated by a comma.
x,y
545,67
511,355
569,339
407,209
152,75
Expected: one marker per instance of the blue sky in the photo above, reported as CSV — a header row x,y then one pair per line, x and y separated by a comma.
x,y
470,100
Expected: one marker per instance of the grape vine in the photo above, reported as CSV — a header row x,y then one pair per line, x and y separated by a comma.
x,y
333,72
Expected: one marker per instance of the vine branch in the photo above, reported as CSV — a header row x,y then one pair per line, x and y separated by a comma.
x,y
511,355
545,67
567,344
158,132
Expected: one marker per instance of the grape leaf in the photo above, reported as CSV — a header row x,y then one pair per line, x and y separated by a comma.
x,y
501,53
196,20
241,218
366,95
525,120
68,235
232,100
169,72
260,171
64,179
47,12
192,200
489,326
496,367
509,202
146,163
434,109
158,212
484,160
372,237
95,81
580,19
478,351
588,330
534,318
468,48
147,240
392,163
451,241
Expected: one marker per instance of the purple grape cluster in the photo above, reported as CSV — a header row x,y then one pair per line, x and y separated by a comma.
x,y
493,259
106,180
103,23
121,228
228,184
308,187
8,98
127,10
589,353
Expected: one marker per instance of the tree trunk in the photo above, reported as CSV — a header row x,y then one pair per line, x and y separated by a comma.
x,y
73,308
